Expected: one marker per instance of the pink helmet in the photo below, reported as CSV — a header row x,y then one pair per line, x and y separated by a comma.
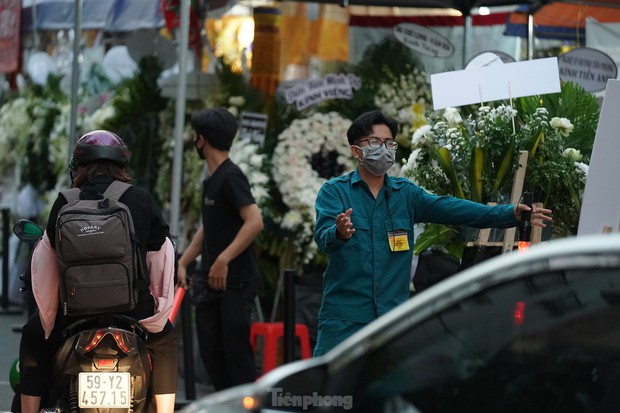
x,y
99,144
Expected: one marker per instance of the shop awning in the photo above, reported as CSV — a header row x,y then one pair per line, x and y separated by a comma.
x,y
560,20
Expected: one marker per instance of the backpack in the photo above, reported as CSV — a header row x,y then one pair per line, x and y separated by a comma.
x,y
100,260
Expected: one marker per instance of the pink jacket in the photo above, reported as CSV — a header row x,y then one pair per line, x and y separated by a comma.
x,y
45,284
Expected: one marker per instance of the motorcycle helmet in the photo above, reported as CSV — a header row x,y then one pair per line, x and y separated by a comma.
x,y
96,145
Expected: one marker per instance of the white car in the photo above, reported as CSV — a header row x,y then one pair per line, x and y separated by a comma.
x,y
537,331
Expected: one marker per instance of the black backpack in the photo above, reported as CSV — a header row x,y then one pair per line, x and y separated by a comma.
x,y
100,260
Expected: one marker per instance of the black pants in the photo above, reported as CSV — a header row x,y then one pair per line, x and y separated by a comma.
x,y
223,329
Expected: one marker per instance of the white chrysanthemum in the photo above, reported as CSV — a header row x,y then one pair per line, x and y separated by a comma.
x,y
319,135
246,155
405,99
412,162
583,168
421,135
291,220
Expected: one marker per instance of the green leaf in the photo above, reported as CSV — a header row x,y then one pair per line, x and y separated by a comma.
x,y
434,235
504,167
476,167
445,161
534,143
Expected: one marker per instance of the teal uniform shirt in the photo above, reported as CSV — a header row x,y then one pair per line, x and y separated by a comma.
x,y
364,278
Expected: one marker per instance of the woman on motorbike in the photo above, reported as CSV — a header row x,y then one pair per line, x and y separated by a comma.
x,y
99,158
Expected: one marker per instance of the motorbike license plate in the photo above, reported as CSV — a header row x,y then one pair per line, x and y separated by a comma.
x,y
104,389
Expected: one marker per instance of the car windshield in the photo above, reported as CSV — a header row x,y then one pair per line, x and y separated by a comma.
x,y
547,342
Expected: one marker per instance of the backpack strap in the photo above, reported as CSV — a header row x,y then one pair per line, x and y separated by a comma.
x,y
71,195
116,190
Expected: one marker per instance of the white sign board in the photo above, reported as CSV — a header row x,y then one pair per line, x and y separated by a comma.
x,y
489,58
314,91
495,82
423,40
589,68
600,208
253,127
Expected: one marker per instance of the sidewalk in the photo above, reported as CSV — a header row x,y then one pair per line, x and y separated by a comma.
x,y
11,321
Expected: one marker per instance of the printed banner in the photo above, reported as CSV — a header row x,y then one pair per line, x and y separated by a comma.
x,y
10,12
313,91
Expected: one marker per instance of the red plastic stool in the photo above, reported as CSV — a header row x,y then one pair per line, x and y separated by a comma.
x,y
272,333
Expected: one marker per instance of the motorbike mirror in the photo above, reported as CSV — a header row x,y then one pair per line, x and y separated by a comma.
x,y
27,231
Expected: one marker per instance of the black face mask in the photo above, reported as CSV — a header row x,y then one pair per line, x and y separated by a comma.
x,y
199,151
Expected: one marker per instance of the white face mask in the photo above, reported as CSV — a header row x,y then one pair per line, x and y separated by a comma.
x,y
378,160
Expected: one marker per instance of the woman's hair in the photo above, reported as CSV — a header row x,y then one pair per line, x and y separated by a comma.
x,y
85,173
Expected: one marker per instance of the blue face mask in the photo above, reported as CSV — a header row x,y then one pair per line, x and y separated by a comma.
x,y
378,160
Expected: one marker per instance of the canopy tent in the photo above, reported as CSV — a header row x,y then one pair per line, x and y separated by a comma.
x,y
107,15
464,6
560,20
485,34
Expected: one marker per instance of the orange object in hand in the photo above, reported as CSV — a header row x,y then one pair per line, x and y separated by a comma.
x,y
179,293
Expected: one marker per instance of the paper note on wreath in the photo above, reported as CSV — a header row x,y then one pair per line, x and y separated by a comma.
x,y
495,82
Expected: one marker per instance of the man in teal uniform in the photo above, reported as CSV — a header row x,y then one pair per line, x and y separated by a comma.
x,y
365,221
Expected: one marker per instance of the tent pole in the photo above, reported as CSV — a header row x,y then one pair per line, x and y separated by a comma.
x,y
35,32
530,36
75,72
466,35
179,123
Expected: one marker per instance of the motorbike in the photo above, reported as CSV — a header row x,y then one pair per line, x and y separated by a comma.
x,y
103,364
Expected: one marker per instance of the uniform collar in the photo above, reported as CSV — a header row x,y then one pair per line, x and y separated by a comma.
x,y
388,181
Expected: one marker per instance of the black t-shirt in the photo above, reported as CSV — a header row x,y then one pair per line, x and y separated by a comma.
x,y
149,224
224,193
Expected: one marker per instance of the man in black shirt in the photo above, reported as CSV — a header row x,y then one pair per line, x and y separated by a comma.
x,y
231,220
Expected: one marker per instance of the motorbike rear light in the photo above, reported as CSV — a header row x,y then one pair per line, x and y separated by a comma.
x,y
89,340
119,337
93,341
105,364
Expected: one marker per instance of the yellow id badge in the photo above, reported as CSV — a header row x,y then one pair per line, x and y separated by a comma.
x,y
398,241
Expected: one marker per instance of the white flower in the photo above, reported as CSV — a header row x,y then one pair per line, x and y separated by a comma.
x,y
506,113
405,99
246,155
234,110
572,154
291,220
412,162
453,117
318,141
583,169
421,135
237,101
562,125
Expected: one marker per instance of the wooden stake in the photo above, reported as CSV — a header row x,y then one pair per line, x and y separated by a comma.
x,y
517,190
